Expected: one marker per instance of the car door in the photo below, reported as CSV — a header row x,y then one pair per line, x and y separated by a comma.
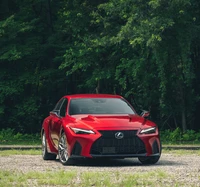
x,y
56,121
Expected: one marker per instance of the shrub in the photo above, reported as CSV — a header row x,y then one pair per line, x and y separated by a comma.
x,y
9,136
177,136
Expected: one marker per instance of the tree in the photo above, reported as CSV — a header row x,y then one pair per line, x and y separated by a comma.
x,y
30,55
146,49
146,45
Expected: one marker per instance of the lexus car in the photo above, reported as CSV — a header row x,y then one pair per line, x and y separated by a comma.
x,y
98,126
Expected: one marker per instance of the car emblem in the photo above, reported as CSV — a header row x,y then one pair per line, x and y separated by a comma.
x,y
119,135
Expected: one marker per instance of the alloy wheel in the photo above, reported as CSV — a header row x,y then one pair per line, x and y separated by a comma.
x,y
45,154
43,145
63,150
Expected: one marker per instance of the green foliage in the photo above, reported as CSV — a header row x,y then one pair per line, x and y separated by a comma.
x,y
191,135
10,137
30,55
5,133
177,136
146,49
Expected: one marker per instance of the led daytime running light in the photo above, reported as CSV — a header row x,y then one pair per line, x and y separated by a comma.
x,y
82,131
148,131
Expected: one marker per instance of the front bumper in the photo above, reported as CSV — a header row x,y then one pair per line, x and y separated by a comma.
x,y
105,144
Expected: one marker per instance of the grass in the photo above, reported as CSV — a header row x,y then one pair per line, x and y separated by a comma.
x,y
182,152
20,152
76,178
84,179
27,141
23,141
38,152
182,143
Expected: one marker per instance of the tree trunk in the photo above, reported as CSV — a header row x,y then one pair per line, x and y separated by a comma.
x,y
49,15
184,125
98,87
183,116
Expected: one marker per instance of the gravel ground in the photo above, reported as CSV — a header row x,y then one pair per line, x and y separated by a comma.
x,y
184,168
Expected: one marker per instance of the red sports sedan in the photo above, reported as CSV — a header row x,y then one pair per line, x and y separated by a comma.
x,y
98,125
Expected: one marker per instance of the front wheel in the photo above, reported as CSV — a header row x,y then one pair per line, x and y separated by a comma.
x,y
63,149
45,154
149,159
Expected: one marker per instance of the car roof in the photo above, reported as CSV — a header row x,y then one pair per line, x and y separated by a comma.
x,y
76,96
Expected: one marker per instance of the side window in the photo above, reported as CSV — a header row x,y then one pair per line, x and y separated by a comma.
x,y
63,108
58,105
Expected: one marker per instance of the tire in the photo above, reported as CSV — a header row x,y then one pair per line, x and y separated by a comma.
x,y
45,154
63,149
148,160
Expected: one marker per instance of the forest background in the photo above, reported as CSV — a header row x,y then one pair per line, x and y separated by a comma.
x,y
148,50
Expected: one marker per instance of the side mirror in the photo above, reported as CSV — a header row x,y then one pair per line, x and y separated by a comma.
x,y
145,114
55,113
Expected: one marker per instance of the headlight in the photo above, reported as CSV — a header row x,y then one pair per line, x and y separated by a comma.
x,y
148,131
82,131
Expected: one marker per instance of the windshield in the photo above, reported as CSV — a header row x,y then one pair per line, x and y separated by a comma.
x,y
99,106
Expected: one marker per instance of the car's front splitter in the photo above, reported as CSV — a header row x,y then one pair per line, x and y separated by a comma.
x,y
116,156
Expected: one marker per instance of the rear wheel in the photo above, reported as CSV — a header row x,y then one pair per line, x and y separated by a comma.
x,y
148,159
63,149
45,154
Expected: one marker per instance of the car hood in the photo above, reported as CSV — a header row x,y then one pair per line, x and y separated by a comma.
x,y
109,122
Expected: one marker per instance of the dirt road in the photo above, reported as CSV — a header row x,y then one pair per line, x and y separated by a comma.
x,y
185,168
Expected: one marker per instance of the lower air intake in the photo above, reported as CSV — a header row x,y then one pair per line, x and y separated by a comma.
x,y
108,144
76,149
